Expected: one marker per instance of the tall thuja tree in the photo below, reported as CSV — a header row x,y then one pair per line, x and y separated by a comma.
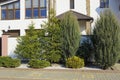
x,y
29,45
70,34
106,39
53,38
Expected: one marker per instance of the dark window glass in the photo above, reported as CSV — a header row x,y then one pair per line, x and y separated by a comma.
x,y
28,13
71,4
17,5
10,14
28,3
42,3
104,3
10,6
43,12
17,14
3,7
36,15
107,4
35,3
3,14
45,3
17,10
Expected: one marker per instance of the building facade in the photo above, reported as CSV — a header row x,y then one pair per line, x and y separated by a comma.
x,y
17,15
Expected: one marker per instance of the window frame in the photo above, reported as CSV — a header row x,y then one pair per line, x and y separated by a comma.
x,y
32,10
7,11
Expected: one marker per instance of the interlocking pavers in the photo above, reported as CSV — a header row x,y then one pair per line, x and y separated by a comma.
x,y
42,74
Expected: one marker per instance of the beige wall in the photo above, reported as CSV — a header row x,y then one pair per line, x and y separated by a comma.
x,y
88,27
85,27
82,27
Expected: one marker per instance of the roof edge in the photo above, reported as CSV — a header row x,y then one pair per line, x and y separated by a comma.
x,y
7,2
88,17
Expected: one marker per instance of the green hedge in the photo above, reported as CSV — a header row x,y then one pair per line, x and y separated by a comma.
x,y
74,62
35,63
8,62
1,61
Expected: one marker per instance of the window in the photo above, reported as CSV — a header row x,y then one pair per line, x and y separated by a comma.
x,y
17,10
43,10
12,33
10,11
4,14
104,3
35,9
71,4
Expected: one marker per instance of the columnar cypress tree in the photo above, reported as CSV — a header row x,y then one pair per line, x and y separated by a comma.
x,y
71,34
106,39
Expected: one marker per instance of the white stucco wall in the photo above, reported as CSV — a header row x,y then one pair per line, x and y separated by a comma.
x,y
61,7
95,9
21,24
80,6
64,5
12,42
82,27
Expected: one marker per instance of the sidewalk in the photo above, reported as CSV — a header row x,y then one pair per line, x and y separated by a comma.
x,y
57,74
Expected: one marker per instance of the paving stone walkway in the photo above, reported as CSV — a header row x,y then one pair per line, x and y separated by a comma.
x,y
42,74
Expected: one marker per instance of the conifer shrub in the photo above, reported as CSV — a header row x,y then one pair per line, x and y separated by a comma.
x,y
86,50
0,64
29,46
74,62
52,45
8,62
70,35
119,59
36,63
15,63
1,61
106,40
